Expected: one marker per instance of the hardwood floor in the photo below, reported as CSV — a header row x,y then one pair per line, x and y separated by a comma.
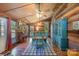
x,y
58,51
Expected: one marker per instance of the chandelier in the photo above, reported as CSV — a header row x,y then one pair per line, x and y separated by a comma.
x,y
38,11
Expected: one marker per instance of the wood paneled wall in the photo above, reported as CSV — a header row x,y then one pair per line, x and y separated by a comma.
x,y
73,37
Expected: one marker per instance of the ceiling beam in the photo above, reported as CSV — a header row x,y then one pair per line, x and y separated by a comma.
x,y
25,18
17,8
48,19
71,13
66,10
58,10
56,6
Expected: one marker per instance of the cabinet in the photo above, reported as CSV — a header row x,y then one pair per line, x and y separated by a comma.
x,y
60,34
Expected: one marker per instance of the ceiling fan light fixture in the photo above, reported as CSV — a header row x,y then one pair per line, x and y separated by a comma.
x,y
38,11
38,15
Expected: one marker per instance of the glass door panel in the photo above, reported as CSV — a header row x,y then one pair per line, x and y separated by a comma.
x,y
3,34
13,32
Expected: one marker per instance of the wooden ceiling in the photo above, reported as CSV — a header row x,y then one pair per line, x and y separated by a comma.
x,y
29,12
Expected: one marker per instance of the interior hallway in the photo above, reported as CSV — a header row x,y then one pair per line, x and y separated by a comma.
x,y
39,29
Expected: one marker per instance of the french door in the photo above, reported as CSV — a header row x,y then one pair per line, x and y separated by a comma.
x,y
3,34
